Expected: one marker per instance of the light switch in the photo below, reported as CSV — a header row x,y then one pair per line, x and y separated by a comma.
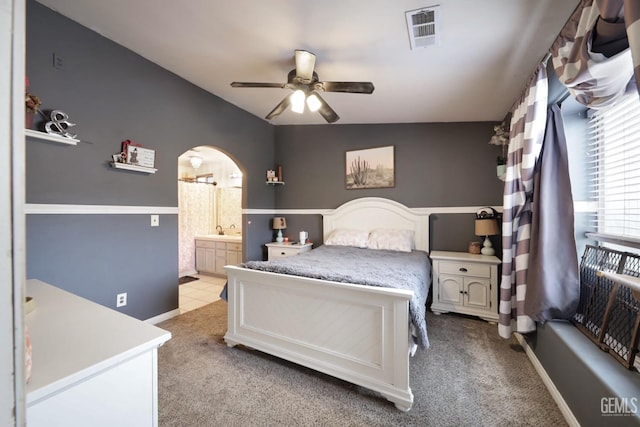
x,y
155,220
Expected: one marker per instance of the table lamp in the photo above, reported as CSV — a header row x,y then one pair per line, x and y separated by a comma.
x,y
487,227
279,223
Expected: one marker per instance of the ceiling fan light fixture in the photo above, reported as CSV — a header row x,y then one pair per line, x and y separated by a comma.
x,y
304,80
297,101
313,102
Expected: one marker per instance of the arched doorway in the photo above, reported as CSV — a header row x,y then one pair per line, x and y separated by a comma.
x,y
209,202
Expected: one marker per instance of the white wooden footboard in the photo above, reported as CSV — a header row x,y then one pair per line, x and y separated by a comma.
x,y
356,333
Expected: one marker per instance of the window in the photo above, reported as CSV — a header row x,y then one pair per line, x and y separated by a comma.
x,y
614,171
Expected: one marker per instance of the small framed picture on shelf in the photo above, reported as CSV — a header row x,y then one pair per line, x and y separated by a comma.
x,y
139,156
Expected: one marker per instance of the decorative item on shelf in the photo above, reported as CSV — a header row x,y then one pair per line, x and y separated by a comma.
x,y
134,154
125,149
119,157
501,138
59,124
501,169
279,223
274,177
474,248
135,158
486,225
32,105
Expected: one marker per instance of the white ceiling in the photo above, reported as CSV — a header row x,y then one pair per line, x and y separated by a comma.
x,y
488,51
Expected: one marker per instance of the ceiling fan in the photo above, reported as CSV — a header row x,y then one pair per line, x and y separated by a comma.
x,y
303,80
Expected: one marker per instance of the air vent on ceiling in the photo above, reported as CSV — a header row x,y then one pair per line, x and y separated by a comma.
x,y
424,27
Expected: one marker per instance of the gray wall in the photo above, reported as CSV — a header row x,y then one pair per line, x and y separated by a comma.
x,y
436,165
112,94
99,256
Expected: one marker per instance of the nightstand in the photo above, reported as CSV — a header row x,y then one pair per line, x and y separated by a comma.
x,y
465,283
280,250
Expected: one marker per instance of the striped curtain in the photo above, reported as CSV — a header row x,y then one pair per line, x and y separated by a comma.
x,y
525,142
597,53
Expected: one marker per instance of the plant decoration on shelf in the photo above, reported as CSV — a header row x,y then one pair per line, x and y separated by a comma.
x,y
501,138
32,104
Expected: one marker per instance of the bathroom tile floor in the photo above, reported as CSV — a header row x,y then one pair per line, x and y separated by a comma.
x,y
201,292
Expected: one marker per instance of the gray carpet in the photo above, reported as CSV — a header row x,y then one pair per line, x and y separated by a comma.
x,y
469,377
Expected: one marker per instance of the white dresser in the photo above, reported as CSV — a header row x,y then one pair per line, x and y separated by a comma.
x,y
92,366
465,283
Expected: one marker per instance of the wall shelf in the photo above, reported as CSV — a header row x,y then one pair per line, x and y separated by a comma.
x,y
274,183
134,168
50,137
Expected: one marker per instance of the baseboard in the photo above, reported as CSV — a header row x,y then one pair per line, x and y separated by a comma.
x,y
162,317
555,394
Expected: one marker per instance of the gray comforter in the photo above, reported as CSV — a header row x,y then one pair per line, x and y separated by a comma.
x,y
392,269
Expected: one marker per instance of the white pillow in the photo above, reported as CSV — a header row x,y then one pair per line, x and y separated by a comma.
x,y
394,240
347,237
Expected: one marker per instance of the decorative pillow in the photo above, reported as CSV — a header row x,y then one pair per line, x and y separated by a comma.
x,y
394,240
347,237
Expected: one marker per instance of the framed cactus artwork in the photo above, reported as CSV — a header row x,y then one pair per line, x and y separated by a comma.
x,y
370,168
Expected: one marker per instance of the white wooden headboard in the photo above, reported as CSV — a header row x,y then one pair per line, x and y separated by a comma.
x,y
368,213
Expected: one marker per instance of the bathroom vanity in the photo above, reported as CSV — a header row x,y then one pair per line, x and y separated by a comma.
x,y
214,251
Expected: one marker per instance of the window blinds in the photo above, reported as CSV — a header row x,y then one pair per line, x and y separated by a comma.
x,y
614,168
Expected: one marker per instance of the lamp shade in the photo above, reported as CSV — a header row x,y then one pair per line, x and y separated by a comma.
x,y
279,223
487,227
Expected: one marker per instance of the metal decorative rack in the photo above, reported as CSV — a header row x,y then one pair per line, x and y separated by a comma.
x,y
609,308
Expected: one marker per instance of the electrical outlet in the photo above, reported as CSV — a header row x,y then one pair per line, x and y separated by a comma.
x,y
155,220
121,300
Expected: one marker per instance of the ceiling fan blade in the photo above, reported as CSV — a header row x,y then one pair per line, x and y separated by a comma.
x,y
305,62
284,104
351,87
249,84
325,111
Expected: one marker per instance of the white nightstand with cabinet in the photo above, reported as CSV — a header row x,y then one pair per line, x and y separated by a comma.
x,y
465,283
279,250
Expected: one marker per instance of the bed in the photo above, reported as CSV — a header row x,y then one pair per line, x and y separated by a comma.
x,y
358,333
